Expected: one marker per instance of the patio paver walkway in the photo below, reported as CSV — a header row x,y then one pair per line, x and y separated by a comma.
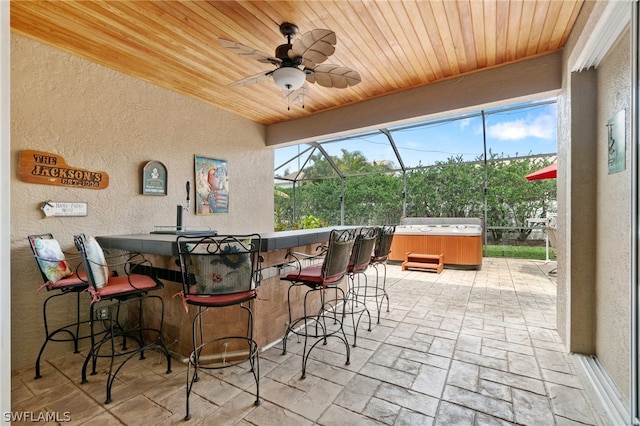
x,y
465,347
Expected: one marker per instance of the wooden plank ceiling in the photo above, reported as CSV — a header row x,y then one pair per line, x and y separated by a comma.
x,y
394,45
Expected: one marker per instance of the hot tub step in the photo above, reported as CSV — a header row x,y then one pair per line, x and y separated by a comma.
x,y
427,262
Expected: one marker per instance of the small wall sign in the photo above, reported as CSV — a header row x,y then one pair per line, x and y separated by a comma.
x,y
154,178
57,208
51,169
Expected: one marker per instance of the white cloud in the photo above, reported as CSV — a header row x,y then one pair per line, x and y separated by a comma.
x,y
541,127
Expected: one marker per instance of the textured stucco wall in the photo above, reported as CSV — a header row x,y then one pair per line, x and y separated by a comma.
x,y
5,289
583,238
594,208
575,114
539,77
99,119
613,229
563,250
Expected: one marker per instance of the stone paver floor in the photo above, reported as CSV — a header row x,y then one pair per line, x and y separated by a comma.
x,y
465,347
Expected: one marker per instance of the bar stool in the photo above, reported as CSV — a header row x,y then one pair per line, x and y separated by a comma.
x,y
220,271
316,279
357,279
61,281
110,295
379,259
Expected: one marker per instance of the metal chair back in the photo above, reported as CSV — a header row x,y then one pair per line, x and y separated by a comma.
x,y
338,254
363,249
383,243
219,264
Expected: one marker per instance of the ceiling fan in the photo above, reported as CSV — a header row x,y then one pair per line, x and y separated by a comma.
x,y
297,62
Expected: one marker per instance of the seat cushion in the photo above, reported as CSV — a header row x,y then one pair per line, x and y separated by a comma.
x,y
379,259
126,284
358,268
72,280
221,299
312,274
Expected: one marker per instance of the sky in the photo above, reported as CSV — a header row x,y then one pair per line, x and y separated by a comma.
x,y
517,130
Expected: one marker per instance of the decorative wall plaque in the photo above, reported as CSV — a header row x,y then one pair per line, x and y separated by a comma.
x,y
154,178
616,143
51,169
58,208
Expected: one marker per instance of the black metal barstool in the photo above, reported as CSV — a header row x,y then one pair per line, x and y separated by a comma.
x,y
60,280
379,259
323,321
220,271
358,263
110,293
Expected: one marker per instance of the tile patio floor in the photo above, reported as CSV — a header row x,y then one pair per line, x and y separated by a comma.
x,y
464,347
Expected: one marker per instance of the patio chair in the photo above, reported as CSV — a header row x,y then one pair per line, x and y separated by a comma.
x,y
322,321
220,272
357,279
111,296
59,280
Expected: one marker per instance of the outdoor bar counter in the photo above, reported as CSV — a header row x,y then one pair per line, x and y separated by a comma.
x,y
165,243
270,309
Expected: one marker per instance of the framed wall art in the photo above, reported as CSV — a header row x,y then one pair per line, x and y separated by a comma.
x,y
212,185
617,147
154,178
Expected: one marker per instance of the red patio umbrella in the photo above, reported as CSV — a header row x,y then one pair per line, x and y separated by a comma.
x,y
548,172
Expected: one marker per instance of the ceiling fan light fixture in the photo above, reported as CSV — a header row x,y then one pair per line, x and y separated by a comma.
x,y
289,78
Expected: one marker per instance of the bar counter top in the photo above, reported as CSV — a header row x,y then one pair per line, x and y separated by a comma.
x,y
165,244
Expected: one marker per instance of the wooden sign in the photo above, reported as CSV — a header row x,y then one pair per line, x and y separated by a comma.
x,y
57,208
51,169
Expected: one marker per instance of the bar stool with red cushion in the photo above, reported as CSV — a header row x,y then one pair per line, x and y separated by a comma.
x,y
322,321
116,296
60,280
221,273
358,264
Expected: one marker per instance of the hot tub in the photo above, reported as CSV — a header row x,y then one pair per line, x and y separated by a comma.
x,y
458,239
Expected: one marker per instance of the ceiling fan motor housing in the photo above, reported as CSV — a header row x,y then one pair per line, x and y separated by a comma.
x,y
282,52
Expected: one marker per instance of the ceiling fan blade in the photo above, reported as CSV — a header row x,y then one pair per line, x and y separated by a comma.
x,y
329,75
252,79
314,47
249,52
296,97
